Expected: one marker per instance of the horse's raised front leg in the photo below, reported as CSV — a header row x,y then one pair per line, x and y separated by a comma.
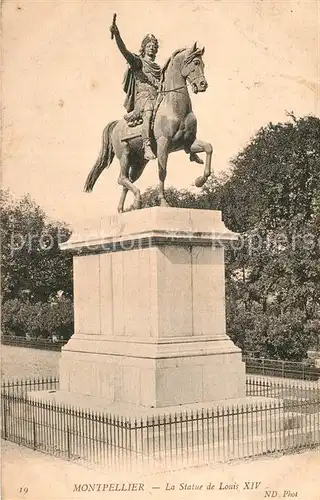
x,y
200,147
124,181
162,154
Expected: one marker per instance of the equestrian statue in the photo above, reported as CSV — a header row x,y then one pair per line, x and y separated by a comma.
x,y
159,118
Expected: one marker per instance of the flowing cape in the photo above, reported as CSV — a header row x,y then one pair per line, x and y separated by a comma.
x,y
129,87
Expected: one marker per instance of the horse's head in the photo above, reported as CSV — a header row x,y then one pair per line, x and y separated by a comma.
x,y
192,69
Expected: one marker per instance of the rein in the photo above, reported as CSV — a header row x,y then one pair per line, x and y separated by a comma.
x,y
172,90
177,88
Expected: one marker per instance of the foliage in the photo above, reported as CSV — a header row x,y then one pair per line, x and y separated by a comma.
x,y
285,336
275,178
11,320
32,262
176,198
48,319
275,191
58,315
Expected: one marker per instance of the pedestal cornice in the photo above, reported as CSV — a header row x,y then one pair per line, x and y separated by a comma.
x,y
151,227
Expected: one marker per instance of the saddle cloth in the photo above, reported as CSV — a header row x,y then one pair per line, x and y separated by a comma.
x,y
135,117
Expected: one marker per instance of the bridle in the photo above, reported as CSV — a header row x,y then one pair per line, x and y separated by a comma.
x,y
186,61
185,85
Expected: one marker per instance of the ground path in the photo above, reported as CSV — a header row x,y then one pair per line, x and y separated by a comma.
x,y
23,362
51,478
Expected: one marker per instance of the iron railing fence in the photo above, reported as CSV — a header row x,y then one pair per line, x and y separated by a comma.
x,y
280,368
18,386
35,343
274,418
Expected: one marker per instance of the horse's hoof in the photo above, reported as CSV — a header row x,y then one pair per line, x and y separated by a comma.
x,y
200,181
137,204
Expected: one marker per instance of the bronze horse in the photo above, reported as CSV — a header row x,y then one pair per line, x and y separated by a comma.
x,y
175,129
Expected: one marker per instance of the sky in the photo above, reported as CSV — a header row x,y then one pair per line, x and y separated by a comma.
x,y
62,83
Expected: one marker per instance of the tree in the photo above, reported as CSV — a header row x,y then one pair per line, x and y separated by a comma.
x,y
22,317
272,199
176,198
32,262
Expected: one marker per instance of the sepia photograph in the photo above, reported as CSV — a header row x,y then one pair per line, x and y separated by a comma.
x,y
160,249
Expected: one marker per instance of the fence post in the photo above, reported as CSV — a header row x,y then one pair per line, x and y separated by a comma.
x,y
282,369
5,416
34,433
263,366
68,443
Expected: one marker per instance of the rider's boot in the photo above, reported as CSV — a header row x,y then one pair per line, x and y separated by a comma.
x,y
148,153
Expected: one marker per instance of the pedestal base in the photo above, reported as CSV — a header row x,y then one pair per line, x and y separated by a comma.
x,y
171,373
132,412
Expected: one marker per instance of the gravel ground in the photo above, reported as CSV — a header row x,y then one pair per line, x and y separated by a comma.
x,y
22,362
290,476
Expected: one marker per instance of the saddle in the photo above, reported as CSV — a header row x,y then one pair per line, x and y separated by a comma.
x,y
135,117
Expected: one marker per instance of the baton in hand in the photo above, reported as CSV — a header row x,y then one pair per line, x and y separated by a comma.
x,y
113,23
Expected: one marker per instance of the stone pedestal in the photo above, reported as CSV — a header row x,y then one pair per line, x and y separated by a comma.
x,y
149,289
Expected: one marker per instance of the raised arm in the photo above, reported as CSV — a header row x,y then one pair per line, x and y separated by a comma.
x,y
121,46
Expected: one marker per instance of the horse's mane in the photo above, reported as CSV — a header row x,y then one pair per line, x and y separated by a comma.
x,y
166,65
194,53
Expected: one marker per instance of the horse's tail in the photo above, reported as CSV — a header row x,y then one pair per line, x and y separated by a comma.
x,y
105,157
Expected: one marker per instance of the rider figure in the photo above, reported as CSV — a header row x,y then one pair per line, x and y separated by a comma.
x,y
141,83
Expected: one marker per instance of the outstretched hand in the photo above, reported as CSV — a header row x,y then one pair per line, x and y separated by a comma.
x,y
114,29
